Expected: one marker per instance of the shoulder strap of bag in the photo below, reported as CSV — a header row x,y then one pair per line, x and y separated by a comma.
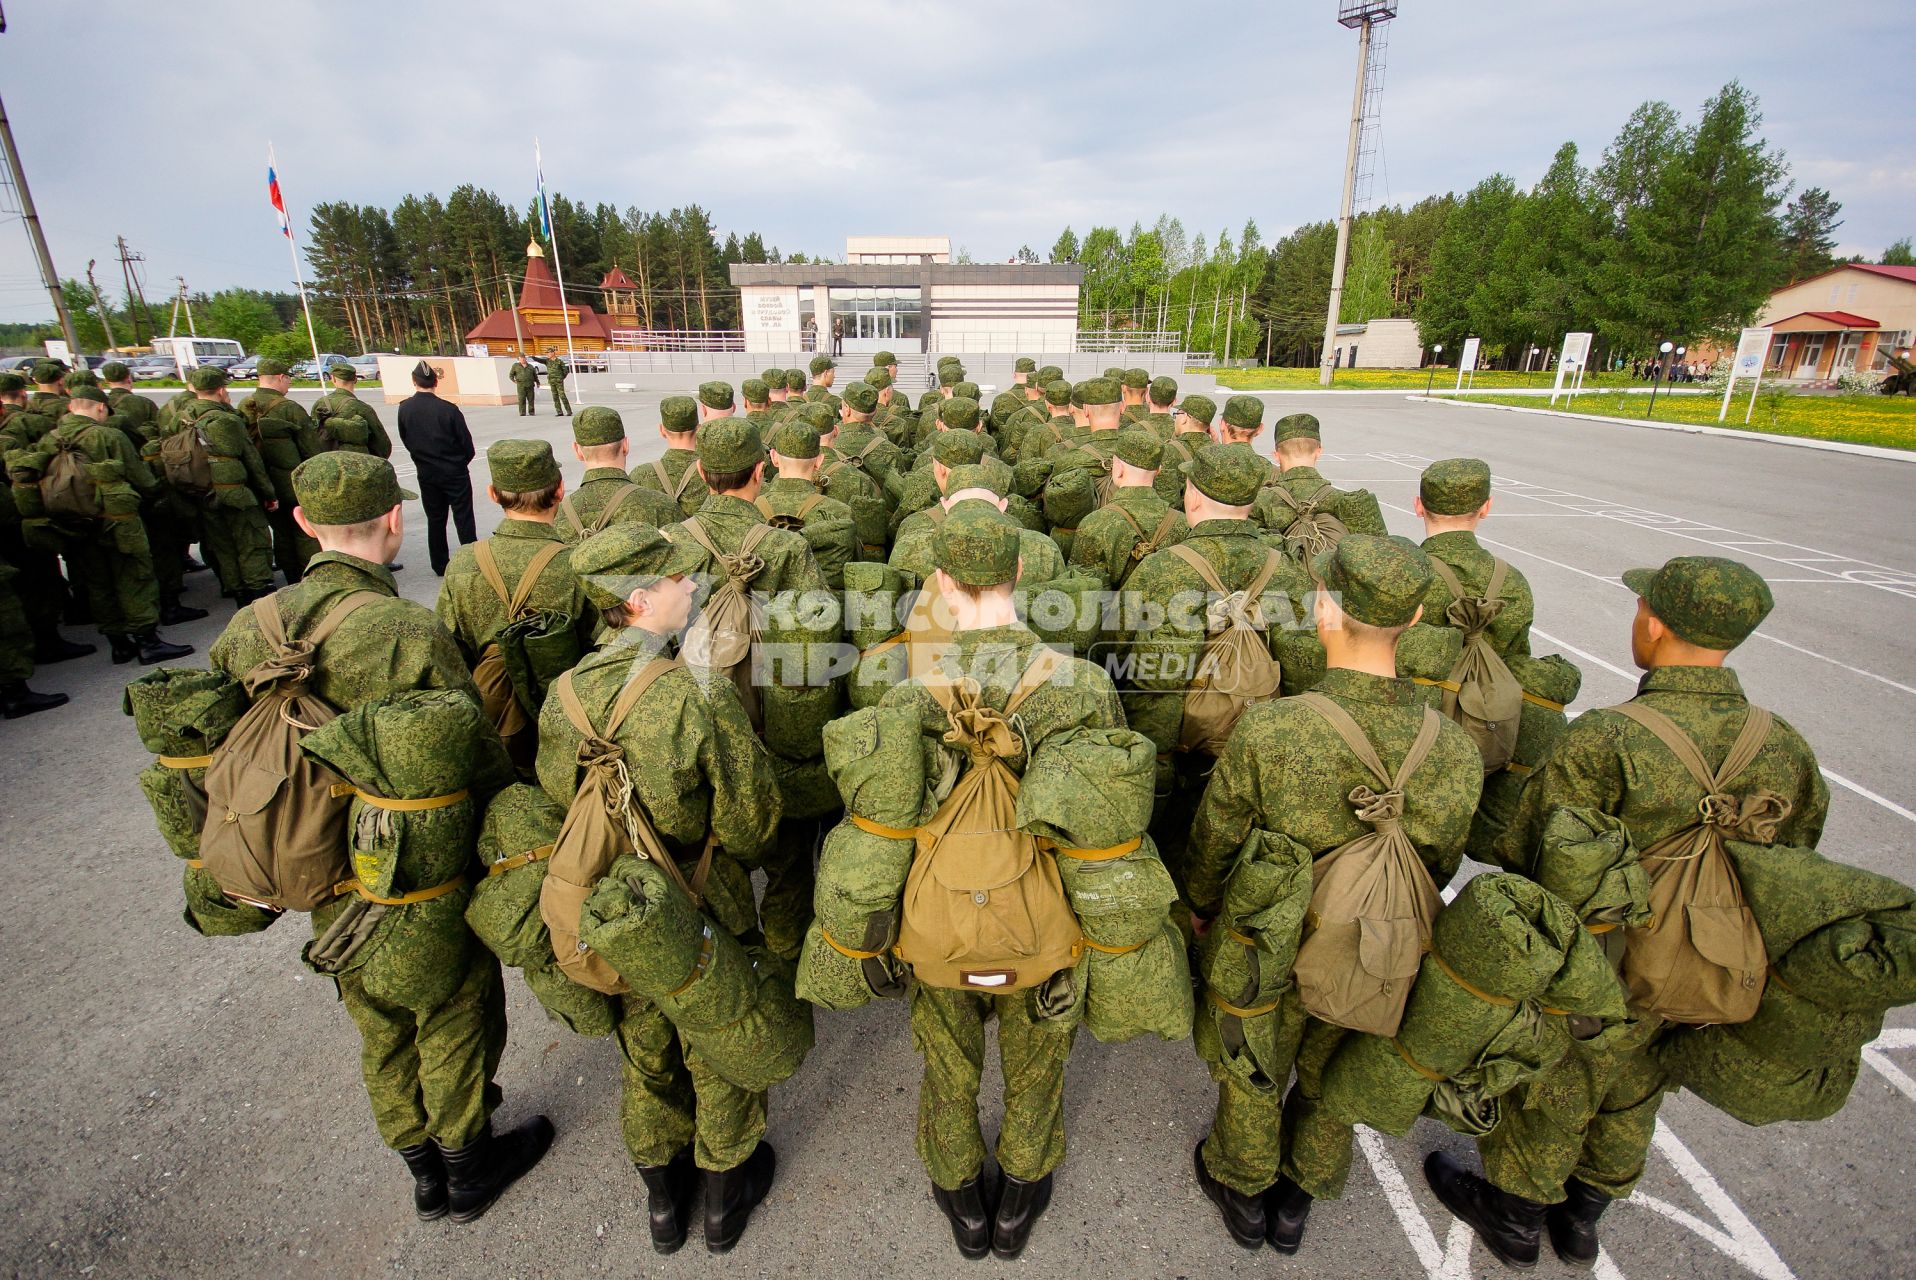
x,y
1448,576
753,536
1315,498
522,594
665,477
611,509
695,529
1163,531
810,505
1130,519
571,515
1284,496
1273,560
1044,663
1202,566
489,570
1743,751
1498,572
1360,744
764,505
266,613
685,479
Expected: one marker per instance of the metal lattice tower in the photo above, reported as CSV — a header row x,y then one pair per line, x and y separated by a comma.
x,y
1367,18
1372,110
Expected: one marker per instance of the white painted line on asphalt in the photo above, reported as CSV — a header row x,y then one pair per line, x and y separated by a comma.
x,y
1897,1077
1585,654
1897,684
1449,1262
1737,1238
1867,794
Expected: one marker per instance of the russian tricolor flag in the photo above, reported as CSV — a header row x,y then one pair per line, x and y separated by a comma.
x,y
279,204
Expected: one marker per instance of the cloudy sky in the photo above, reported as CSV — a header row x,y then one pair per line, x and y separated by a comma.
x,y
995,123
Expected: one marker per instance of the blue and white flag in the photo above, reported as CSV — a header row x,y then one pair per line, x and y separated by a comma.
x,y
545,211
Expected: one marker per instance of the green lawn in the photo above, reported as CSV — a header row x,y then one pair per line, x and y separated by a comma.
x,y
1889,421
1398,379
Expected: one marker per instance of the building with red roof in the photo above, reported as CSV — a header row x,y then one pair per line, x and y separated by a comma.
x,y
538,325
1845,320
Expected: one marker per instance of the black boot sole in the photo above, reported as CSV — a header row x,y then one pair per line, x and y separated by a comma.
x,y
1458,1212
1214,1192
726,1243
430,1215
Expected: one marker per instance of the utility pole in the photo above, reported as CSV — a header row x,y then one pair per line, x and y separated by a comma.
x,y
1361,14
106,321
31,216
133,289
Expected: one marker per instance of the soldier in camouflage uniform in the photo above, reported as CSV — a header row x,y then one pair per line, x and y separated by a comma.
x,y
675,473
16,654
1109,541
525,380
793,691
234,531
855,462
41,589
49,398
1576,1138
824,373
428,1071
344,421
284,434
1190,432
704,774
1046,429
1158,399
1303,489
1135,383
758,403
794,501
556,371
1453,498
1072,496
1288,771
606,496
949,446
168,531
914,550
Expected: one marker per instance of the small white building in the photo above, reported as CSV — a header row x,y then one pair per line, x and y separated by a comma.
x,y
1380,344
904,294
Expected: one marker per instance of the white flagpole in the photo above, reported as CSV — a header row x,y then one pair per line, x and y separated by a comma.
x,y
299,275
558,271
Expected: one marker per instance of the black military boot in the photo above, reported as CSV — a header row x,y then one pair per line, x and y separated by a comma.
x,y
428,1180
1243,1215
1573,1224
1286,1208
57,648
731,1196
1019,1208
17,700
172,612
969,1211
477,1173
153,649
668,1198
189,565
1511,1227
125,648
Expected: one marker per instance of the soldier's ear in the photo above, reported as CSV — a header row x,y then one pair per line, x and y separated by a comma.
x,y
1485,509
305,525
1417,506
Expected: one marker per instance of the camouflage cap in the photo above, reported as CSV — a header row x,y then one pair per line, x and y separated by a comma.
x,y
679,414
1024,364
945,360
1297,426
12,384
1139,447
343,372
82,378
977,546
271,368
822,363
882,358
755,391
862,397
793,439
966,389
1200,407
774,379
794,379
1707,600
730,444
521,466
716,395
1057,393
1377,581
817,415
977,475
960,413
1077,394
87,391
210,377
1100,391
1049,374
114,371
1228,473
1455,486
45,371
877,379
1115,373
598,424
338,487
957,448
1137,379
950,375
612,565
1163,390
1246,413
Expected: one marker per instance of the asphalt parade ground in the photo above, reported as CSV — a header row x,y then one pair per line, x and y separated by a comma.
x,y
181,1106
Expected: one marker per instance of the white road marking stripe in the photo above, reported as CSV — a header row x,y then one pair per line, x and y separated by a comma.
x,y
1741,1242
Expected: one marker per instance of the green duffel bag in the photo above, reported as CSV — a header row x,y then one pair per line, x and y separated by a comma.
x,y
1427,654
1067,611
1119,901
1586,858
181,716
211,914
1140,989
1250,1021
876,629
536,650
1088,789
1739,1081
861,878
877,759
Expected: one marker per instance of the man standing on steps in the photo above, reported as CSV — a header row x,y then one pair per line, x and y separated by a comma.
x,y
435,434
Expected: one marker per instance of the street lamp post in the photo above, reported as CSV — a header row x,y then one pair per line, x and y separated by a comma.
x,y
1429,378
1663,368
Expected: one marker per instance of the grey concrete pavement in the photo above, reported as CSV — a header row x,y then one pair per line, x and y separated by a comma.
x,y
183,1106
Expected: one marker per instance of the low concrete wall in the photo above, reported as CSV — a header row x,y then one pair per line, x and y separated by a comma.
x,y
462,379
684,370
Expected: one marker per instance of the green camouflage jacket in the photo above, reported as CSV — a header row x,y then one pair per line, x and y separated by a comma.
x,y
696,768
1509,635
226,436
47,404
1357,508
473,612
667,474
284,435
363,434
827,524
170,412
911,550
523,376
1108,536
99,442
600,485
21,428
1609,762
136,410
880,457
1179,449
1286,770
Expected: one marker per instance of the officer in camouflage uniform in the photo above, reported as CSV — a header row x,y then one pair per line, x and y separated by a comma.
x,y
1453,498
606,496
976,552
344,421
1288,771
1135,383
556,371
1108,542
1304,490
525,379
793,501
428,1071
1576,1138
1190,432
285,437
234,531
109,553
675,473
704,773
795,696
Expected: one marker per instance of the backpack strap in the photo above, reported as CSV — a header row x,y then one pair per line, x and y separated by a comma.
x,y
1499,571
665,477
1273,560
611,508
571,516
489,570
1448,576
695,529
1359,742
685,479
1044,663
1130,520
516,599
810,505
1202,566
764,505
1743,751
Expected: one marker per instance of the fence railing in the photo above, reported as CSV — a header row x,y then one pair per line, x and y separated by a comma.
x,y
1056,342
678,340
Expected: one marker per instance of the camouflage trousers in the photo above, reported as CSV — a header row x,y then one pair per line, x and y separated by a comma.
x,y
526,405
239,546
292,545
165,534
791,876
16,635
1258,1135
561,402
948,1030
115,565
670,1097
429,1071
1181,781
1591,1117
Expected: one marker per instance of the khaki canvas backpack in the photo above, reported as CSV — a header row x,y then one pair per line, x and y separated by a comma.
x,y
502,705
1235,669
675,488
1309,531
1482,694
984,906
603,823
1372,901
1146,543
1701,960
604,520
790,522
67,490
721,638
187,463
275,833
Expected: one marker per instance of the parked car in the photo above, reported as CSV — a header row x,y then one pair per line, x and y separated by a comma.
x,y
304,371
246,369
17,364
151,368
366,366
